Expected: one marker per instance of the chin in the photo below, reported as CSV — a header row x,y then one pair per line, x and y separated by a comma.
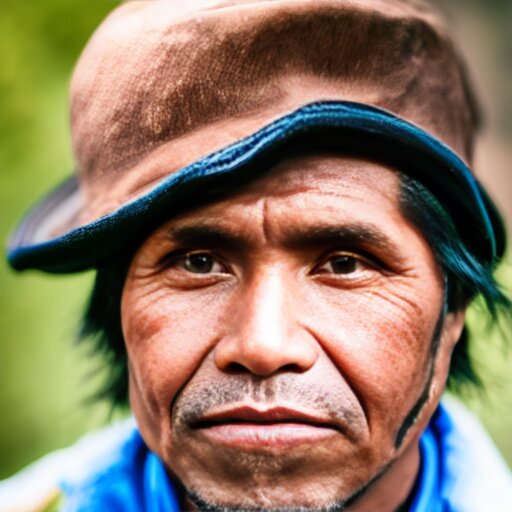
x,y
274,499
321,476
266,482
314,477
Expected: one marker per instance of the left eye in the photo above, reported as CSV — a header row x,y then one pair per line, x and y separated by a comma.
x,y
200,263
343,264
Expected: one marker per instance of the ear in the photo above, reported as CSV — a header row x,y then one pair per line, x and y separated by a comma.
x,y
452,327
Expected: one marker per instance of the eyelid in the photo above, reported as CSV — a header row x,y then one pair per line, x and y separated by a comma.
x,y
172,257
360,256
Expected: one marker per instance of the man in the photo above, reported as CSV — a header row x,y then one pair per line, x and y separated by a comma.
x,y
277,199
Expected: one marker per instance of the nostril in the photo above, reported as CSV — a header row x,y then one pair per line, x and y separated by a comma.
x,y
291,367
234,368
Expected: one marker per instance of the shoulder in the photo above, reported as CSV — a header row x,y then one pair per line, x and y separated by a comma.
x,y
475,476
99,460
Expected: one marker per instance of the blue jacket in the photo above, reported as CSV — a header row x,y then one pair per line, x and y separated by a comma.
x,y
113,470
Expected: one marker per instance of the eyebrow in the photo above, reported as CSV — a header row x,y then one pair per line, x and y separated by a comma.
x,y
206,236
361,234
357,233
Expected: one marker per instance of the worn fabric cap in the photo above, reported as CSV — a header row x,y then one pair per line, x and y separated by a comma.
x,y
172,100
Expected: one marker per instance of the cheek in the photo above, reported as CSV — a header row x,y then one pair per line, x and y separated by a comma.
x,y
381,341
167,335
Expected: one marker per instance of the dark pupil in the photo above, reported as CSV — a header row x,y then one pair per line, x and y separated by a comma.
x,y
199,263
343,264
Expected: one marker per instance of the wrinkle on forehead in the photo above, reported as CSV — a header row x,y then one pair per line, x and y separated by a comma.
x,y
307,173
265,219
336,187
295,184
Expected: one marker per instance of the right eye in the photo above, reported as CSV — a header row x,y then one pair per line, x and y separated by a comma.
x,y
195,262
200,263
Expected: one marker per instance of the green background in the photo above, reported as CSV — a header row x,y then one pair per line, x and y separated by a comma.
x,y
46,380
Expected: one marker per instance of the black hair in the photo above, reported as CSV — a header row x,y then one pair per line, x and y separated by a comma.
x,y
465,276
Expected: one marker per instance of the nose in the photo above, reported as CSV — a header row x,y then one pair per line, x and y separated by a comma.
x,y
265,334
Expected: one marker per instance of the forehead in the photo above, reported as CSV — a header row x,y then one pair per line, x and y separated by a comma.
x,y
324,174
330,188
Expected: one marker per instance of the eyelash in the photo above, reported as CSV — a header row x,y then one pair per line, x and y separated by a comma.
x,y
358,258
173,257
359,255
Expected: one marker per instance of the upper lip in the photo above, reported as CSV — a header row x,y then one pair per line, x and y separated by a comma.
x,y
256,413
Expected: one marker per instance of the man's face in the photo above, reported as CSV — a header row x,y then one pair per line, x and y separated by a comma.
x,y
287,345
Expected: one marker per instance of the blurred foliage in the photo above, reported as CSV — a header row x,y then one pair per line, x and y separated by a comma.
x,y
45,381
488,34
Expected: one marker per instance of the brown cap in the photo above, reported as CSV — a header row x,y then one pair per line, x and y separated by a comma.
x,y
165,82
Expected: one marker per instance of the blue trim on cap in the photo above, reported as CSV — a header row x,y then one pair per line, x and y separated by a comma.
x,y
83,247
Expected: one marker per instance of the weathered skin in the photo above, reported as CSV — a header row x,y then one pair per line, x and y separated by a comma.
x,y
270,322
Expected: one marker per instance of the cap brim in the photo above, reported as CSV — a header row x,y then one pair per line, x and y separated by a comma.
x,y
346,127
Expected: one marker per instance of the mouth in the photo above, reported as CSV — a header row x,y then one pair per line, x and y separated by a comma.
x,y
251,427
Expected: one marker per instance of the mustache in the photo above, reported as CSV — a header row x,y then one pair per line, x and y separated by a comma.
x,y
201,399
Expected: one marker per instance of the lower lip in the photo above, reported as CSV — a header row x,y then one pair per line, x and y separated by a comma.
x,y
275,435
